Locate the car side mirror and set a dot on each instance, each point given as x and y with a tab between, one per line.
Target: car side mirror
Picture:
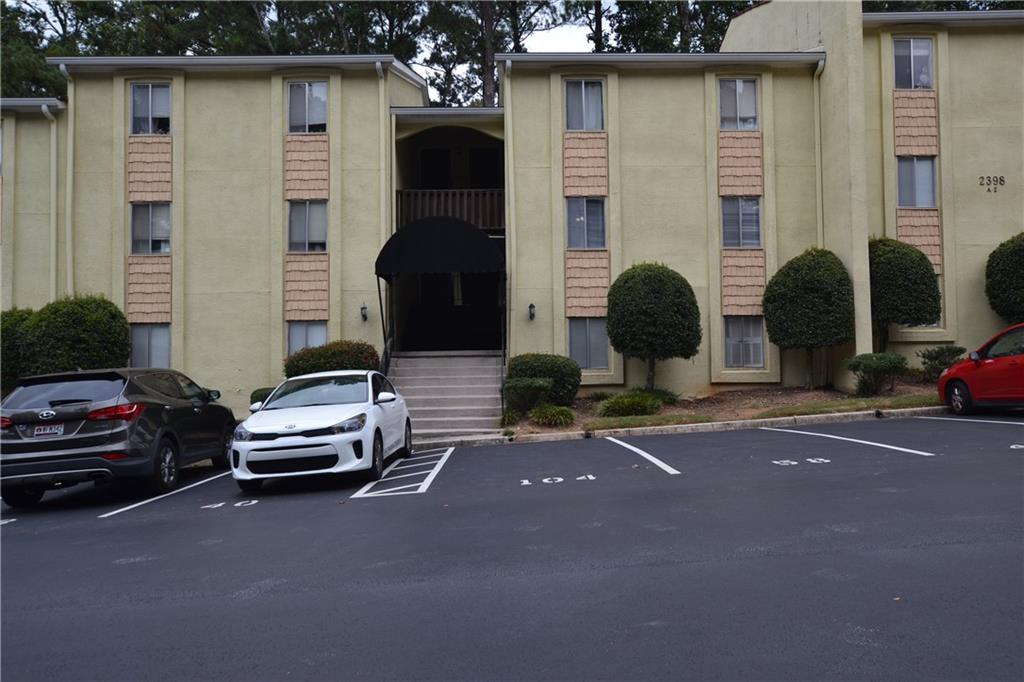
974	356
385	397
255	407
213	394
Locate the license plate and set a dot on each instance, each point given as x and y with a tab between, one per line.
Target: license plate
49	430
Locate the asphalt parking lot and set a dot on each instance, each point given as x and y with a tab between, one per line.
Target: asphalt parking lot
884	549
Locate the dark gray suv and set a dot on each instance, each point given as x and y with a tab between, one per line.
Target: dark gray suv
61	429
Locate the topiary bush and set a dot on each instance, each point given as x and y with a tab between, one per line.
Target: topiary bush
1004	281
653	315
565	374
522	394
552	415
77	332
13	358
875	370
934	360
629	404
904	289
808	303
330	357
260	394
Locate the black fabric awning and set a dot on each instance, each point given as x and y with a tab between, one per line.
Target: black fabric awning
439	244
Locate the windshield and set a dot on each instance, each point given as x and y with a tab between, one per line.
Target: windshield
319	391
63	392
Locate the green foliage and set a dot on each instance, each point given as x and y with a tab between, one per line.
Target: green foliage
79	332
664	396
260	394
808	303
934	360
904	289
330	357
522	394
565	374
511	417
1004	279
598	396
13	356
629	404
552	415
874	370
673	26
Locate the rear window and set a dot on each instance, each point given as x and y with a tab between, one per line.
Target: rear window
63	392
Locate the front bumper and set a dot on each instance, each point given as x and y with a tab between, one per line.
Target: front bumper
301	456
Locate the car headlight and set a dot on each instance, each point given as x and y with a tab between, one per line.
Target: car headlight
241	433
349	425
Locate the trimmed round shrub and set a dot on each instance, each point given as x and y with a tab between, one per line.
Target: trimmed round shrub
78	332
522	394
653	315
1004	279
260	394
934	360
904	289
331	357
629	404
13	358
552	415
808	303
565	374
875	370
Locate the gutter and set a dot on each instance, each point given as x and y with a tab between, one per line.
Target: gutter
658	60
45	109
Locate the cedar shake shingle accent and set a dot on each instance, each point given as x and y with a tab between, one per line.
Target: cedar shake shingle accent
585	164
306	283
149	289
739	163
742	281
306	167
916	122
587	278
921	228
149	168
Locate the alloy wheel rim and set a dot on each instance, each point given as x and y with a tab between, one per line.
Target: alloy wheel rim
958	398
408	439
167	474
378	455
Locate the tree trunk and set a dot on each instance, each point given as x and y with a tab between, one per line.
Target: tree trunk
810	368
488	76
683	16
599	26
650	374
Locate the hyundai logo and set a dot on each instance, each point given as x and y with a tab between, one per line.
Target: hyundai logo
47	414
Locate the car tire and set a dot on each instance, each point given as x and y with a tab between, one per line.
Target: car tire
376	471
22	497
223	461
165	468
958	397
252	485
407	443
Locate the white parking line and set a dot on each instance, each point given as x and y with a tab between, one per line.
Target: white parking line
421	487
160	497
657	462
852	440
4	522
431	455
421	464
978	421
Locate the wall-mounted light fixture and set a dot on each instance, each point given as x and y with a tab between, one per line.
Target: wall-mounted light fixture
533	311
362	312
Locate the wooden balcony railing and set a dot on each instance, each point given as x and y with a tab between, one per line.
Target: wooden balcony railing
484	208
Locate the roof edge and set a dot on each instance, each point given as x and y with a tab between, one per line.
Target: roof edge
660	59
30	105
995	17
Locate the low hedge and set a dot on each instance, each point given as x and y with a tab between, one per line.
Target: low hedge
552	415
875	370
565	374
330	357
663	395
522	394
629	404
78	332
13	356
934	360
511	418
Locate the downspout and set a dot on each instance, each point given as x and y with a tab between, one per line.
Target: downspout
384	120
69	187
510	211
53	200
817	152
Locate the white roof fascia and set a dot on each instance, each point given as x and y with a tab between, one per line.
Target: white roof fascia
30	105
966	19
671	60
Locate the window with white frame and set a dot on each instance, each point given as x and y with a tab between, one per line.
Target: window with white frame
151	108
737	101
306	334
588	342
307	226
744	341
307	107
741	222
151	345
151	228
913	57
584	105
916	178
585	222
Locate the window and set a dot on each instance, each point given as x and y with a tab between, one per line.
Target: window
306	335
307	107
916	177
307	226
189	389
913	63
741	222
588	342
737	99
151	345
585	218
163	383
744	341
584	105
1009	344
151	109
151	228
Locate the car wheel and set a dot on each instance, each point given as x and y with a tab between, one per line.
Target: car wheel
377	465
407	443
165	468
22	497
223	461
252	485
958	396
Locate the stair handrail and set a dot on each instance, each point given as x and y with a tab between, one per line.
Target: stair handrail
385	358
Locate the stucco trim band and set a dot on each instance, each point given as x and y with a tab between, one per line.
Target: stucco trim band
306	286
585	164
149	168
922	228
743	281
149	289
307	166
739	163
916	122
587	278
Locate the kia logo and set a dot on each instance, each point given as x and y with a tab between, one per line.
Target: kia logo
289	426
47	414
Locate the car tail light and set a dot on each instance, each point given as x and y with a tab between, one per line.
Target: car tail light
5	423
126	412
114	455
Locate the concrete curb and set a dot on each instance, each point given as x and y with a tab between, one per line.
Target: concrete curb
704	427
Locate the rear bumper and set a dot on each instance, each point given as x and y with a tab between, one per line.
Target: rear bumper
69	470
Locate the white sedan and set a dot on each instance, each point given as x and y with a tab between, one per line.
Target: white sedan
325	423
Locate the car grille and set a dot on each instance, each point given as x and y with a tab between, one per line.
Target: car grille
292	465
312	433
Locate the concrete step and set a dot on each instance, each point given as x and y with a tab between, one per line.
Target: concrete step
403	363
454	401
466	391
399	373
422	435
452	424
491	383
453	413
447	354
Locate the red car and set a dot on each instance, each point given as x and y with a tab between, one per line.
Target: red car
993	375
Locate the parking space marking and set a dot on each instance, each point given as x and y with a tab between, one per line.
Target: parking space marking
160	497
977	421
421	487
4	522
654	460
852	440
434	453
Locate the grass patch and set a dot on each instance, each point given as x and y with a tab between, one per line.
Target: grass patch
601	423
853	405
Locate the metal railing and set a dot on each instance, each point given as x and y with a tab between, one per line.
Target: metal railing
484	208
